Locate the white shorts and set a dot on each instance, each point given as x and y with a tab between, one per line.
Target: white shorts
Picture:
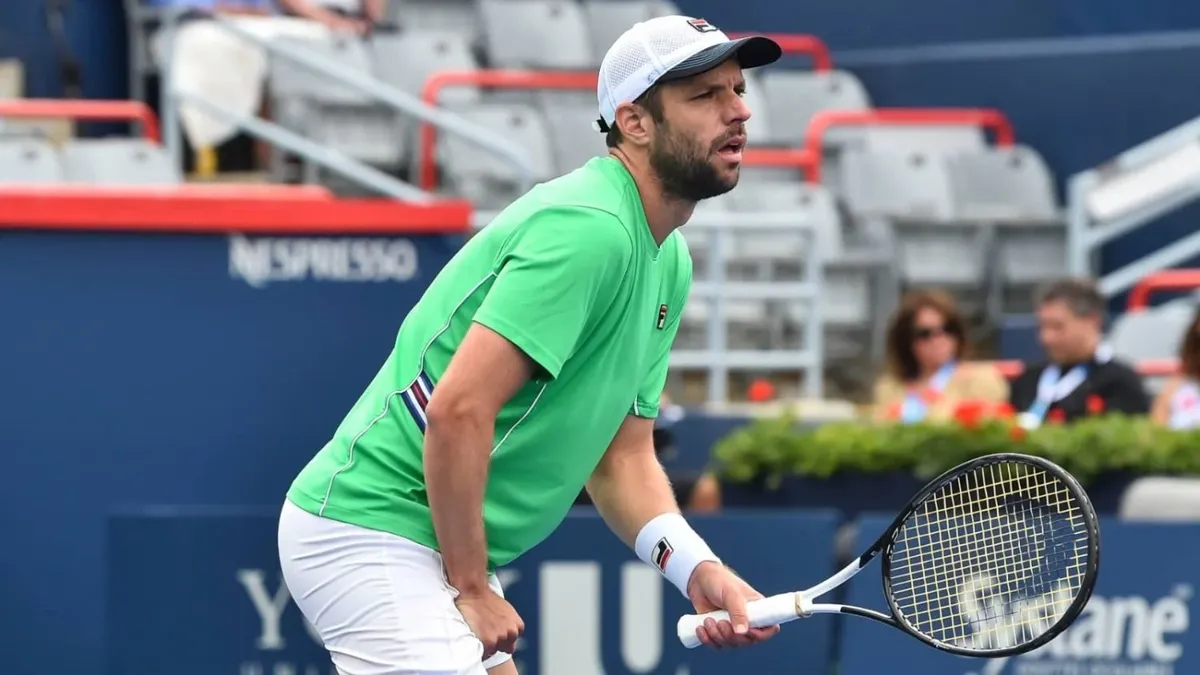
380	603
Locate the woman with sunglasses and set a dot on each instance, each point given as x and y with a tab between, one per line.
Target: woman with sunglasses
926	376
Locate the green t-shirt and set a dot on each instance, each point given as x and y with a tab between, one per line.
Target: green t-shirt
571	274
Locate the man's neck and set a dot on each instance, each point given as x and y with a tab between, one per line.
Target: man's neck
1086	353
664	213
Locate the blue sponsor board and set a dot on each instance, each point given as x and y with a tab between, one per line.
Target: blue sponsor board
151	368
1136	623
198	592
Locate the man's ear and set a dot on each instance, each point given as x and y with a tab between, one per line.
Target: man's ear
635	123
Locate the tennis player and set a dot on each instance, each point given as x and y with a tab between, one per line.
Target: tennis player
532	367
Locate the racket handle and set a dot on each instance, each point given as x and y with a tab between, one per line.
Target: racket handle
770	611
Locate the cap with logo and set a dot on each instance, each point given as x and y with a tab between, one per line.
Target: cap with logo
669	48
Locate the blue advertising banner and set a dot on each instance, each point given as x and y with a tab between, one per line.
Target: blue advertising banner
1136	623
198	592
155	368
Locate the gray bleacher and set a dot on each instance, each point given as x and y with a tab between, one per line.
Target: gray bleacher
898	207
108	161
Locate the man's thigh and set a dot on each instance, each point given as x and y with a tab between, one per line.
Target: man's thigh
380	603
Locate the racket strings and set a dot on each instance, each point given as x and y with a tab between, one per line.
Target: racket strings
992	559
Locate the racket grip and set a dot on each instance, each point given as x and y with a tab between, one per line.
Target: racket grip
770	611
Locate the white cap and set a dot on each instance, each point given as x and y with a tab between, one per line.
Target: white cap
670	48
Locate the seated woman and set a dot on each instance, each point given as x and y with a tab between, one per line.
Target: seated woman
926	374
1178	403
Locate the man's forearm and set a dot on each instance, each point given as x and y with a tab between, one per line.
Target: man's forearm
629	492
457	452
635	498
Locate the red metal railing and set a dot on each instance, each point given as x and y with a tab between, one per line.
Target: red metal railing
94	111
808	45
1167	280
498	79
823	121
538	79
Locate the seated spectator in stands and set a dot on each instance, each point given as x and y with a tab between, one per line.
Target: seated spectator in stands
1178	403
1081	377
926	375
357	17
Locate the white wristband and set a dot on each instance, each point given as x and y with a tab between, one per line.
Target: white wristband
669	544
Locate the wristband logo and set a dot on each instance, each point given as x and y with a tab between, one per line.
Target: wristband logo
661	554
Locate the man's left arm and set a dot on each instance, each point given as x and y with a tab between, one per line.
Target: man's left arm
631	491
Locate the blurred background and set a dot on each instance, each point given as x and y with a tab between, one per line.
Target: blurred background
215	215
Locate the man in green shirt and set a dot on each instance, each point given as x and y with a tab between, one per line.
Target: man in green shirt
532	367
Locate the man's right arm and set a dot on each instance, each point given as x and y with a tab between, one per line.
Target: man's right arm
561	268
486	371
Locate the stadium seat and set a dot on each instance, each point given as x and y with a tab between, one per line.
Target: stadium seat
290	80
1162	499
1002	185
373	134
536	34
812	204
901	185
478	174
936	140
1025	256
28	160
1152	334
341	117
794	96
118	161
406	60
607	20
569	120
759	128
419	16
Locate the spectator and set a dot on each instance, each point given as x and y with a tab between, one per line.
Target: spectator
1081	377
1178	404
355	17
926	375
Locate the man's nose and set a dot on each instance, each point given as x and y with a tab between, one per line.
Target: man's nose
739	111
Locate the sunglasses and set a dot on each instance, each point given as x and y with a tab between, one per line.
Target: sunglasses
929	332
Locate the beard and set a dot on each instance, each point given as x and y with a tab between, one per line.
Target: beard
683	166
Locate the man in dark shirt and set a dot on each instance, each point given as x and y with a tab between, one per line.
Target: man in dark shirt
1082	377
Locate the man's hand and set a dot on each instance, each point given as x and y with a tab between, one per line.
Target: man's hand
493	620
713	587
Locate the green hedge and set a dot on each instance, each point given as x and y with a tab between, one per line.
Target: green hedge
771	449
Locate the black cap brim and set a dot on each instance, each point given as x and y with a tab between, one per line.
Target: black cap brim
751	52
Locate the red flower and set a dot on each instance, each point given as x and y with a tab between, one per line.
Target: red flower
1095	404
1005	411
1018	433
970	413
1057	416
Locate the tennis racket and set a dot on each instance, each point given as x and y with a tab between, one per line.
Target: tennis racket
993	558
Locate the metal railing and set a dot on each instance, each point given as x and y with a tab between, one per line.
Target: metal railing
717	291
823	121
97	111
1138	186
352	169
